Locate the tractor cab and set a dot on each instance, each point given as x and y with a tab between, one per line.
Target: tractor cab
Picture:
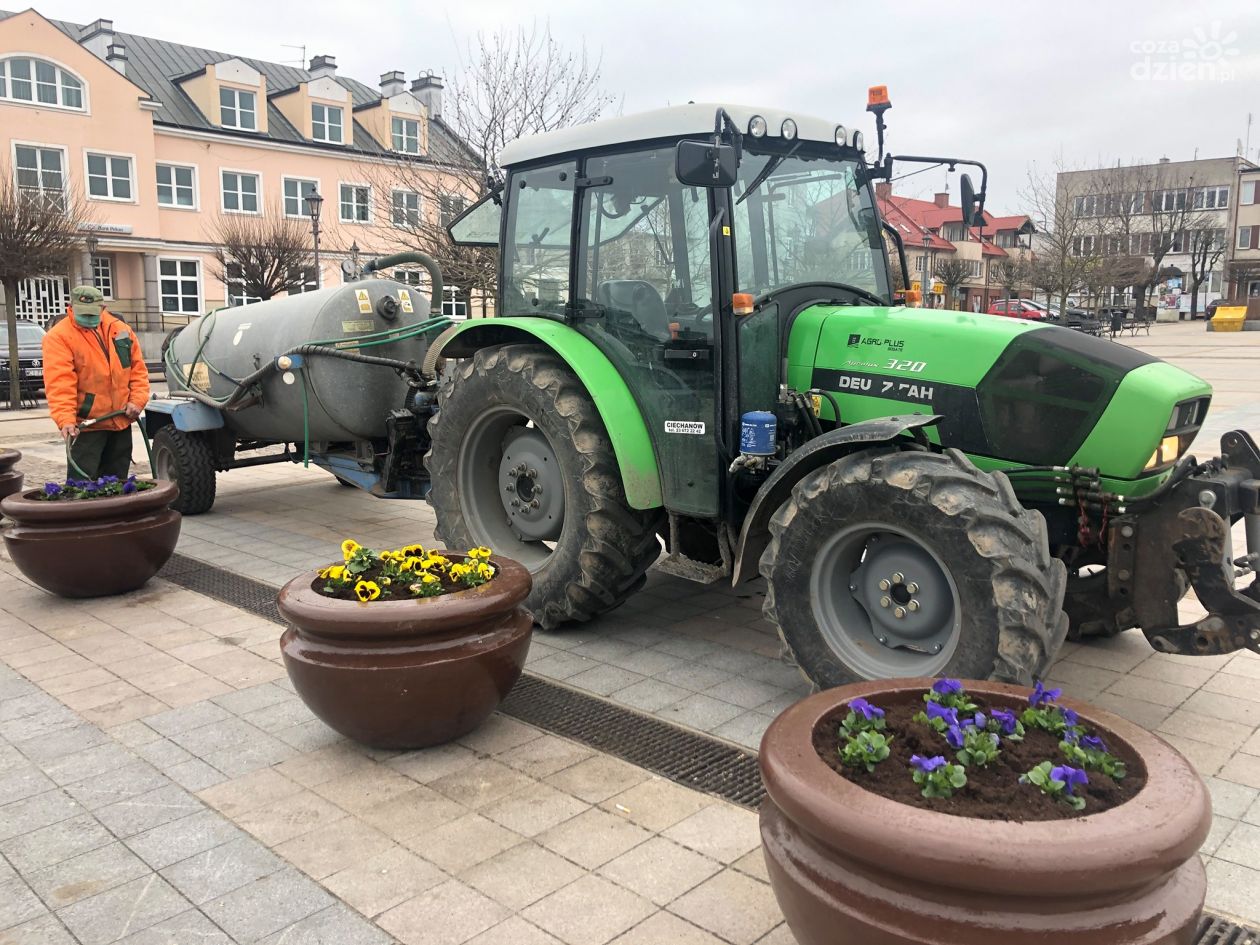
620	230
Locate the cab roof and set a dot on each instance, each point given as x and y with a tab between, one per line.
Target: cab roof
675	122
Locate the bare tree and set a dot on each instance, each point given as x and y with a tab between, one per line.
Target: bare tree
953	273
1068	237
262	255
41	230
1009	273
513	82
1207	246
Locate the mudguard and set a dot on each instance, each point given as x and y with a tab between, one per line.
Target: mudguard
815	454
640	474
188	415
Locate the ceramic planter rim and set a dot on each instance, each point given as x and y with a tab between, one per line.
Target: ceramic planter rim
1074	856
316	613
23	507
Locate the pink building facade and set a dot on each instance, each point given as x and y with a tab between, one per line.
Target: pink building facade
163	138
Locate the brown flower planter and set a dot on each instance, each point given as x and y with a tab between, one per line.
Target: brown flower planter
10	478
407	673
92	547
852	868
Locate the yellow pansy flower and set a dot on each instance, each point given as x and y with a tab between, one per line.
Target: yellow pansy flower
412	551
348	548
430	579
480	553
335	572
367	590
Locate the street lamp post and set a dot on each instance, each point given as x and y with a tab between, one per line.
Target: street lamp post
314	205
927	269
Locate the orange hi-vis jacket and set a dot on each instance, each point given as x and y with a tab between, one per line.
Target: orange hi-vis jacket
91	372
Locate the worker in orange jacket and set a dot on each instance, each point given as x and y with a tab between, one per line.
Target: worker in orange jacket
92	367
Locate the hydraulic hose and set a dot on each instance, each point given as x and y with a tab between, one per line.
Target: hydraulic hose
412	256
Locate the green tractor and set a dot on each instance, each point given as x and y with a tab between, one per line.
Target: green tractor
698	352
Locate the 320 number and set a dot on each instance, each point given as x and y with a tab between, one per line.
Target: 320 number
914	367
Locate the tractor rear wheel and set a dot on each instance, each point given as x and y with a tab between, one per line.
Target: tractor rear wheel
187	460
521	462
891	563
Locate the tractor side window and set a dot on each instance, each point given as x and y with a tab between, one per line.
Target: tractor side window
539	240
645	249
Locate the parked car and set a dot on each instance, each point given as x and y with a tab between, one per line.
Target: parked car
1077	318
1021	308
30	357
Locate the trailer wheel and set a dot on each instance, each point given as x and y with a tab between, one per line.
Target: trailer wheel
888	563
187	460
521	462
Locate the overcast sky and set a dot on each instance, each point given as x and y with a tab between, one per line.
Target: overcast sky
1006	83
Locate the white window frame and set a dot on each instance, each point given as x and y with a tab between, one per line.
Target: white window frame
201	284
196	185
236	108
328	125
395	136
1249	191
34	102
39	146
302	214
393	208
1244	238
356	184
241	299
109	177
102	272
223	190
314	286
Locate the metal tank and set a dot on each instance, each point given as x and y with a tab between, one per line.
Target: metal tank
347	400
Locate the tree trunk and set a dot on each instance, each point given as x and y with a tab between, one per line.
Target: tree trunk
1194	299
15	370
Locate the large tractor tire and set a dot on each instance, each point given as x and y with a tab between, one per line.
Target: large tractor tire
521	462
890	563
187	460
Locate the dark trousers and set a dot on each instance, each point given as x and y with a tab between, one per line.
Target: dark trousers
102	453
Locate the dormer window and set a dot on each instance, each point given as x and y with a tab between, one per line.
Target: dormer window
406	135
238	109
326	123
23	79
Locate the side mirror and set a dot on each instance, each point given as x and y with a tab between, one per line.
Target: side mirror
972	213
705	164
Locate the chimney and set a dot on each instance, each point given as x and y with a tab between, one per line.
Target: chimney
428	88
883	189
1164	160
392	83
97	37
323	67
116	56
941	200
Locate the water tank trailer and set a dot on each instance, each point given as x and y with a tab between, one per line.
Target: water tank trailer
337	377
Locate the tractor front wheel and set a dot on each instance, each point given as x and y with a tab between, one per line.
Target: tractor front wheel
890	563
521	462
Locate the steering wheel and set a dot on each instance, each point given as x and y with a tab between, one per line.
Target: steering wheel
861	293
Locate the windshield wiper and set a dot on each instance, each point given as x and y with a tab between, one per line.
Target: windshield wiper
772	165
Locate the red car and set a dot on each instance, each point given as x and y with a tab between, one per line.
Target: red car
1018	308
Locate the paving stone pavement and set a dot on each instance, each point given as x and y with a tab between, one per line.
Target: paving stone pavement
158	777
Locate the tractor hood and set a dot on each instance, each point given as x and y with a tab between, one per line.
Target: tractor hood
1008	390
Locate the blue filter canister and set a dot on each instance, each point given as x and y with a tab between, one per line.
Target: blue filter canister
756	433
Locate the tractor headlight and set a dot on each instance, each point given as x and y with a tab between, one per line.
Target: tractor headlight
842	135
788	129
859	143
1168	451
757	126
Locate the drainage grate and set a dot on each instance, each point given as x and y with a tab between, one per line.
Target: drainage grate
679	754
1217	931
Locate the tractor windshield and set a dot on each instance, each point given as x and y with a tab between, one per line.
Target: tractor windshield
803	218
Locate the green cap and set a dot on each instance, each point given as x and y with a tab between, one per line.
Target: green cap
86	302
86	293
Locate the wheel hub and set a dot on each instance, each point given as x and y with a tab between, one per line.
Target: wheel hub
906	595
530	485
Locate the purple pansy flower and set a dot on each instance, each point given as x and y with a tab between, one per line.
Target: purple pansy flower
937	711
927	765
947	687
129	486
976	721
1006	718
954	735
1072	778
1043	696
51	489
1094	743
865	709
1070	717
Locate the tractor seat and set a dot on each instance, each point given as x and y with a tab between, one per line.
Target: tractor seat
640	300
